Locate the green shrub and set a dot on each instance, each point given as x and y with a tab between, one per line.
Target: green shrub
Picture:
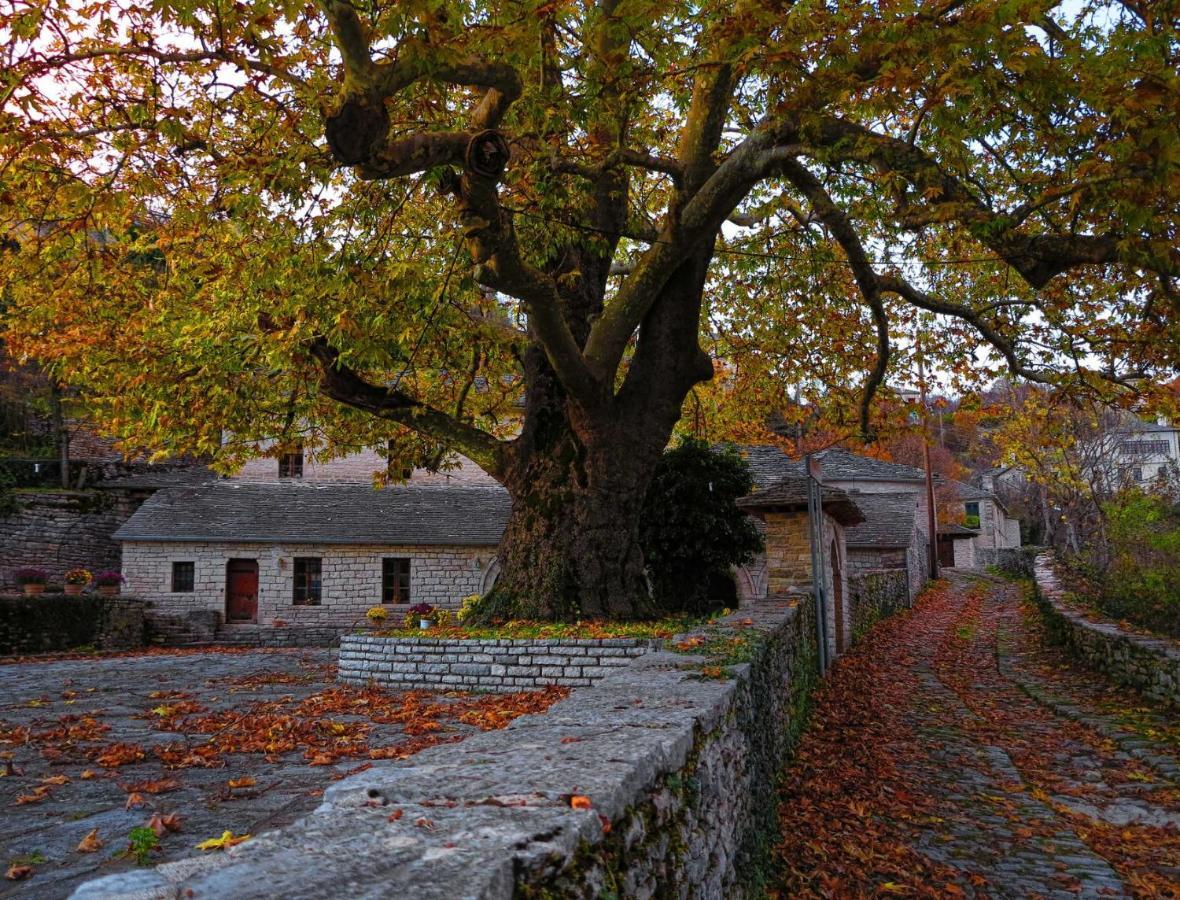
691	531
1142	581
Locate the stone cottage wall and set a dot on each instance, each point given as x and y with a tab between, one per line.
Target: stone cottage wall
1150	665
965	553
440	576
679	772
502	666
59	530
788	563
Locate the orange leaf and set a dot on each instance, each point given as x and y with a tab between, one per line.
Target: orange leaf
246	782
161	825
91	843
18	873
56	779
577	801
134	799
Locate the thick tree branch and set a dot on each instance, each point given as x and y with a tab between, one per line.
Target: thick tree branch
491	241
1038	258
843	230
344	385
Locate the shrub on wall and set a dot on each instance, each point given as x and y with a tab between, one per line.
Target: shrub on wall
1142	581
692	532
53	622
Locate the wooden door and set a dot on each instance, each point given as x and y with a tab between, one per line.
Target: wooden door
946	552
241	590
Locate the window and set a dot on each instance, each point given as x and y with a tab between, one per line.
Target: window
1137	473
183	577
291	464
972	514
395	580
308	589
1144	448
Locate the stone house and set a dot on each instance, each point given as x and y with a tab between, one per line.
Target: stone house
889	538
878	543
252	553
781	508
982	513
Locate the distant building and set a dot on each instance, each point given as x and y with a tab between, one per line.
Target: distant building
1146	451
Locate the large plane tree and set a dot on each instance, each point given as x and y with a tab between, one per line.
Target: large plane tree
525	231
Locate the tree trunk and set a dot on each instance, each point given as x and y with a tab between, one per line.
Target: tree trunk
571	549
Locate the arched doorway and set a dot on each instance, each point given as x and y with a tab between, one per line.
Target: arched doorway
838	598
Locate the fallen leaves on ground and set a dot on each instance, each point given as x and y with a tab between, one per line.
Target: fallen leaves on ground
162	824
91	843
228	839
18	873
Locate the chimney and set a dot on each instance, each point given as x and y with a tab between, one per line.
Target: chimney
987	482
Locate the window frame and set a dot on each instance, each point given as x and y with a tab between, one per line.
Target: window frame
390	566
178	585
307	587
291	463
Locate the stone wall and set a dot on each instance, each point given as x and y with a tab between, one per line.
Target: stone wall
875	595
45	623
1150	665
58	530
491	665
1014	561
788	566
679	769
441	576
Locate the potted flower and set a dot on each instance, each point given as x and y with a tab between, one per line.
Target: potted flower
108	582
376	616
424	612
32	579
76	579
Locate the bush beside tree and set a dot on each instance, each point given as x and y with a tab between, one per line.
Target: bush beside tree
691	531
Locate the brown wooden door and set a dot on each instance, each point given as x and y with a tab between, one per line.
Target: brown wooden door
241	590
946	552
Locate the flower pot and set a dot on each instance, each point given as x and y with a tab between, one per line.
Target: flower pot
73	589
423	624
109	590
34	588
375	624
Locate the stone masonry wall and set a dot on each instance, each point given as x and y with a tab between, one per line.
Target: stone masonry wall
491	665
681	767
45	623
1150	665
1015	561
877	594
788	564
441	576
58	530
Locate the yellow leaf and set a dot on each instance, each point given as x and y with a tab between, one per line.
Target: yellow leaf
246	782
224	842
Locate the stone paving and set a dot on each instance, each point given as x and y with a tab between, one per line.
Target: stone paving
1021	793
72	732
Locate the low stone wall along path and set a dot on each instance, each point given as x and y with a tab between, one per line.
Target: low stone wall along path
954	752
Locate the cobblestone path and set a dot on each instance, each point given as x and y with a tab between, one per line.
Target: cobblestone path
953	753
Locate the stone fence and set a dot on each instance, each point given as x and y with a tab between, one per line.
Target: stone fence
452	664
1151	665
45	623
657	781
876	594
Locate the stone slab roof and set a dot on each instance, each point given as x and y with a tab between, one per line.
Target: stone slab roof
235	512
791	494
769	464
888	524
